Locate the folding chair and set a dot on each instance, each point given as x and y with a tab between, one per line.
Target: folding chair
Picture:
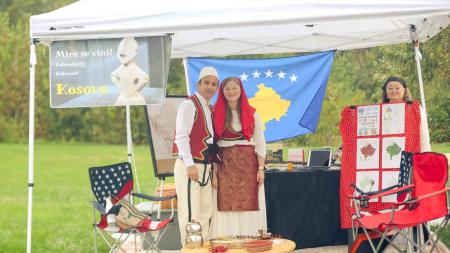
115	183
360	238
428	202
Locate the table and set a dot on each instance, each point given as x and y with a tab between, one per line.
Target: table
285	246
303	206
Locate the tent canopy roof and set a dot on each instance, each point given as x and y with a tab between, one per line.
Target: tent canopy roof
236	27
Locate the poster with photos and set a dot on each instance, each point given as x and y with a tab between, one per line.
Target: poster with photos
393	118
391	152
388	179
368	181
368	120
367	153
372	162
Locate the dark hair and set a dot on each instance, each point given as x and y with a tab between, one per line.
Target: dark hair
406	97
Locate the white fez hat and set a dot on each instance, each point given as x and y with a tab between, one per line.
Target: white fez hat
208	71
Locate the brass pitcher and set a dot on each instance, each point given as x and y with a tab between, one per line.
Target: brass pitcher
194	237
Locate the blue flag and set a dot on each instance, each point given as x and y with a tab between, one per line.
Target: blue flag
287	92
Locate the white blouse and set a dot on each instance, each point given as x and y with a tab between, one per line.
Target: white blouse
424	134
258	140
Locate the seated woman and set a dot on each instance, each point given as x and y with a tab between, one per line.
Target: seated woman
394	91
238	194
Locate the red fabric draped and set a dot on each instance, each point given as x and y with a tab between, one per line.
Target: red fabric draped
247	113
349	166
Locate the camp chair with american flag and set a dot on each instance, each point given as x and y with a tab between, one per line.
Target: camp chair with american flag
112	187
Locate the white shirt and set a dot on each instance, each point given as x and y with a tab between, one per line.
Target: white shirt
185	121
258	140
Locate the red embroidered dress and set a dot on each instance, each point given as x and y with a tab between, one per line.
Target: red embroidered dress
238	188
230	135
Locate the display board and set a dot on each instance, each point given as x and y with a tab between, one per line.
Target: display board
374	137
109	72
161	131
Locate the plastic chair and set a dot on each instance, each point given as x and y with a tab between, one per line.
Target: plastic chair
428	202
112	185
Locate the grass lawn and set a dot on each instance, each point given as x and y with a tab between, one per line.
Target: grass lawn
62	214
441	147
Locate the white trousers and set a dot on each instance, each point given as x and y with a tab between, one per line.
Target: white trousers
201	199
231	223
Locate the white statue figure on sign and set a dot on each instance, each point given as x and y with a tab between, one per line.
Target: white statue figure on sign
128	76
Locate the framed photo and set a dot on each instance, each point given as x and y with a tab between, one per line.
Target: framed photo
161	132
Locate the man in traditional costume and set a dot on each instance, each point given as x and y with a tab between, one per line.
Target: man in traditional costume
194	133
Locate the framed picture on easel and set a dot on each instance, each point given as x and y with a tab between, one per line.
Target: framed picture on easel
161	130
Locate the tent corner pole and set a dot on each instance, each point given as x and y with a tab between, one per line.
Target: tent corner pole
130	147
186	75
33	62
129	141
418	58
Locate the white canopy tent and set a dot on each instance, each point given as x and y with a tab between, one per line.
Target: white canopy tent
236	27
220	28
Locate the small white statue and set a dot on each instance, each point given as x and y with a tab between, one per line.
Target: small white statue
128	76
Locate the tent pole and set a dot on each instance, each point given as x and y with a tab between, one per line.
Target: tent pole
130	146
188	89
418	57
33	62
129	142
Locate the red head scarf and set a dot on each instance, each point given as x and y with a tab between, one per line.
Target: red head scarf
247	112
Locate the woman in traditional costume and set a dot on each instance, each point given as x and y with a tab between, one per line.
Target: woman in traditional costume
238	181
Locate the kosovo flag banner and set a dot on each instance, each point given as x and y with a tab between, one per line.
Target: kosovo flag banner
287	92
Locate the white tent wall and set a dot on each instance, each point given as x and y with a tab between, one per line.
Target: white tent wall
236	27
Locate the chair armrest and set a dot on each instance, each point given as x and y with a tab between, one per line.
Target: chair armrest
425	196
99	207
385	192
406	188
360	191
152	198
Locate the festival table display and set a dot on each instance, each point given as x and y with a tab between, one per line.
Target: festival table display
233	242
276	245
374	137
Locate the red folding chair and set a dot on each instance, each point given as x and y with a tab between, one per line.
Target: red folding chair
428	202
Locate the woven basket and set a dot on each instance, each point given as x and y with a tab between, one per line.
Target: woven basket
169	190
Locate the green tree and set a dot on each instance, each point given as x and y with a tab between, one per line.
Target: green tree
356	78
358	75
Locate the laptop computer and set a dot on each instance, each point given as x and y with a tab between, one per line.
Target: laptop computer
319	159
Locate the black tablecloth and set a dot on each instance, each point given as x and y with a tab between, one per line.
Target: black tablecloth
303	206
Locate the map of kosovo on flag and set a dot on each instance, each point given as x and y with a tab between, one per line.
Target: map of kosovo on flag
287	92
